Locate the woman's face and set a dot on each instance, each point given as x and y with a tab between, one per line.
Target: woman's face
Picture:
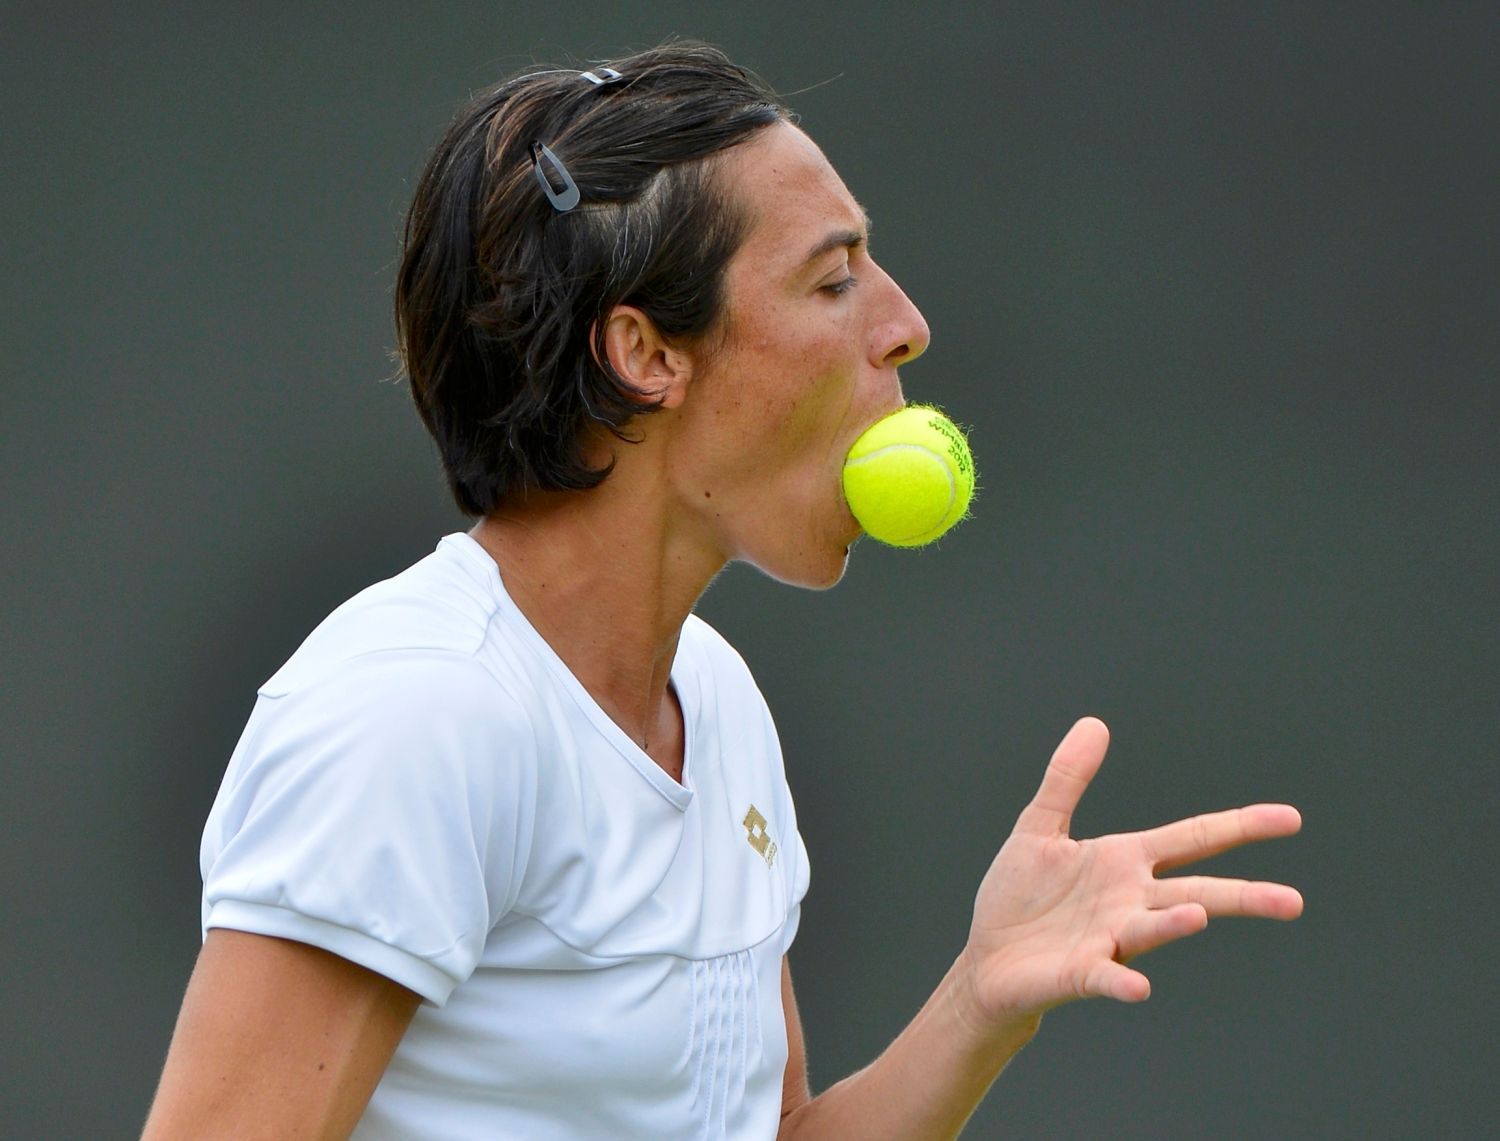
813	335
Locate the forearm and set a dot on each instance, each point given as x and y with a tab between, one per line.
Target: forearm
929	1080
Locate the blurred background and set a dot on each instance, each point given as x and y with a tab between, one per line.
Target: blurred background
1217	288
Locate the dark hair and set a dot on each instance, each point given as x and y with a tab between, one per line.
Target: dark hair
498	291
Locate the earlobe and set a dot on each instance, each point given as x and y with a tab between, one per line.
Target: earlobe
678	368
640	356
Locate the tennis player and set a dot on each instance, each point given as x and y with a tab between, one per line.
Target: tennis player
506	848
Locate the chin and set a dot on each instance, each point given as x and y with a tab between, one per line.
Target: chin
836	569
820	573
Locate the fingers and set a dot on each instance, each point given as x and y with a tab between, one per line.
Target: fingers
1199	837
1074	763
1109	979
1152	929
1255	899
1183	906
1176	919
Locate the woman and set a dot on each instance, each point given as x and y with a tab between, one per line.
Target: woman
506	848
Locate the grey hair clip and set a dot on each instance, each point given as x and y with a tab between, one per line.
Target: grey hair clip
567	196
563	199
602	77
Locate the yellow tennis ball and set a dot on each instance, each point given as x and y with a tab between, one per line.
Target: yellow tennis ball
910	477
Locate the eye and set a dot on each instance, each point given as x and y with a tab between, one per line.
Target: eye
839	288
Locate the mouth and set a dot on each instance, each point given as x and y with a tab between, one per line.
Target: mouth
849	531
851	527
888	409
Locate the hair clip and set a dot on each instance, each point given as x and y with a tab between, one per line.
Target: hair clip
562	200
604	76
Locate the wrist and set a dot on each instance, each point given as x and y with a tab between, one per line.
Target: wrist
987	1027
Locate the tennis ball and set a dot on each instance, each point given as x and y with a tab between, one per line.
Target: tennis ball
910	477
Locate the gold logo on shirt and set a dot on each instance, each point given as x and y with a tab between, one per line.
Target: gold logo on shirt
760	839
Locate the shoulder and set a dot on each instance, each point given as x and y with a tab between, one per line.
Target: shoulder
397	678
711	651
431	615
398	729
724	674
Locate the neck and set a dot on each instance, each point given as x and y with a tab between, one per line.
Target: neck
608	581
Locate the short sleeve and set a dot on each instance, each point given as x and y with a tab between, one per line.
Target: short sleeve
382	812
798	875
792	858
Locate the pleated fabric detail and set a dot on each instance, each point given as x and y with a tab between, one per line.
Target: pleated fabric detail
725	1031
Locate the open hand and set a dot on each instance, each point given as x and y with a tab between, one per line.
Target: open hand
1057	918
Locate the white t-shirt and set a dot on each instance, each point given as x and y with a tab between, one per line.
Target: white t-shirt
425	789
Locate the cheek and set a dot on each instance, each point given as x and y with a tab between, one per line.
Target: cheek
791	382
804	418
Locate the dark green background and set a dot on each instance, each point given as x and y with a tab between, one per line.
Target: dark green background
1217	288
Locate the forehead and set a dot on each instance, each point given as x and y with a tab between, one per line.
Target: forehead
795	199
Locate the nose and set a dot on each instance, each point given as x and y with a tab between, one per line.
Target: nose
901	335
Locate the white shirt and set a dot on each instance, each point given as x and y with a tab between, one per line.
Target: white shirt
425	789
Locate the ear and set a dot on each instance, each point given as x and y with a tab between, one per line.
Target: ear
640	355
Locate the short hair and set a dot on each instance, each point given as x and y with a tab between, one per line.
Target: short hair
501	298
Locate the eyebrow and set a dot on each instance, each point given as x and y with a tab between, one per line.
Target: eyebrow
847	239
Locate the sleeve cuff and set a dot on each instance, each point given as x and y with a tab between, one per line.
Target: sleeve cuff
264	919
789	932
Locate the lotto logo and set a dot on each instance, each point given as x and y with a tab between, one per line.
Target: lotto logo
760	839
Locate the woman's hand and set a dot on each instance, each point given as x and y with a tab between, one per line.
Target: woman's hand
1058	919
